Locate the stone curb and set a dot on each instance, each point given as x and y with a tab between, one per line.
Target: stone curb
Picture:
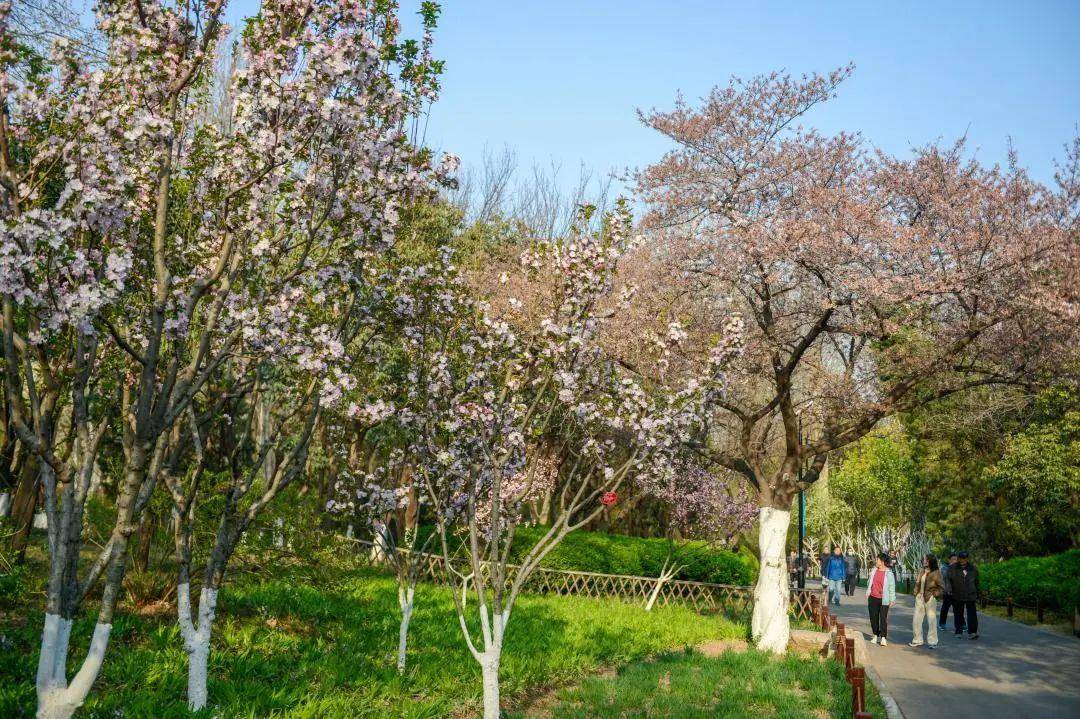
892	709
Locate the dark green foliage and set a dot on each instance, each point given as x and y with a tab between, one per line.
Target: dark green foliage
1054	581
997	471
15	583
618	554
1036	482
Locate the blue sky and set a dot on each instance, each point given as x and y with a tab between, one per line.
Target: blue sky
559	80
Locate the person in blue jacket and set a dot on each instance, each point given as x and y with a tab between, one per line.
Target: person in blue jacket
835	573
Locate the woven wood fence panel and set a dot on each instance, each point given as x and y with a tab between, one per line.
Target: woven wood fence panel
702	597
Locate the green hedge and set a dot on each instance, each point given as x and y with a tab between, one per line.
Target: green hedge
618	554
1053	580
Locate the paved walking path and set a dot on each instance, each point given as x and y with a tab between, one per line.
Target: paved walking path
1012	671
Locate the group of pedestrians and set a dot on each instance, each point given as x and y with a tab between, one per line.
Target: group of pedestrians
955	585
841	576
840	572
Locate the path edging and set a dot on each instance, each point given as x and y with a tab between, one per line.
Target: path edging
892	709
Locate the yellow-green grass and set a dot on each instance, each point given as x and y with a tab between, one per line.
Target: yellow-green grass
690	685
296	647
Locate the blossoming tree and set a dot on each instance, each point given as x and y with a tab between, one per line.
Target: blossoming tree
177	266
377	486
870	284
529	402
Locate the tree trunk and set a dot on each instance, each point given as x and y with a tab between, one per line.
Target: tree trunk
196	639
489	668
406	602
145	539
23	504
769	624
667	572
198	656
56	698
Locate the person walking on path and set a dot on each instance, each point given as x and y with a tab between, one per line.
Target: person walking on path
947	597
835	572
881	591
894	565
851	566
964	583
928	589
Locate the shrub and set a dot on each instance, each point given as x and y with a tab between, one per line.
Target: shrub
618	554
1053	580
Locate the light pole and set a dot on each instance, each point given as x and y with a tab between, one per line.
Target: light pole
802	509
802	533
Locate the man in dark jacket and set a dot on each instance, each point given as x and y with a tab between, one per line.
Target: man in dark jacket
963	583
947	598
851	565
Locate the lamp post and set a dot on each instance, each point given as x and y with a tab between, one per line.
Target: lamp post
802	514
802	534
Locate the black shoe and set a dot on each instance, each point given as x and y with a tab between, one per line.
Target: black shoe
974	636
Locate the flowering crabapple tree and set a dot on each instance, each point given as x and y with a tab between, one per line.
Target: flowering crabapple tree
321	287
528	401
167	258
870	284
701	505
378	498
86	158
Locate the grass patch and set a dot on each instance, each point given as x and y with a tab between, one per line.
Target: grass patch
1054	621
689	685
290	647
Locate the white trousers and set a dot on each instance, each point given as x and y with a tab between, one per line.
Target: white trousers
925	609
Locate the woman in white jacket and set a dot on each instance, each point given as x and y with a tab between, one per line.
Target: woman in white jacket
880	593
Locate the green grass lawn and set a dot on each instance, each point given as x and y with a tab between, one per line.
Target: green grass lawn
293	648
689	685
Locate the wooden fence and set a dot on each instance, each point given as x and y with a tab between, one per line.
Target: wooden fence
702	597
845	654
1040	610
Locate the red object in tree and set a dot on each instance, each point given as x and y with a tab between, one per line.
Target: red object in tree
609	499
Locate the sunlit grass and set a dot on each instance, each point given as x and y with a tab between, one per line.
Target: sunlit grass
287	648
689	685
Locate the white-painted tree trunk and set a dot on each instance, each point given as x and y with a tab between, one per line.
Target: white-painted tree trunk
380	549
196	640
405	599
653	595
198	657
489	668
490	659
57	699
667	572
5	504
769	625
